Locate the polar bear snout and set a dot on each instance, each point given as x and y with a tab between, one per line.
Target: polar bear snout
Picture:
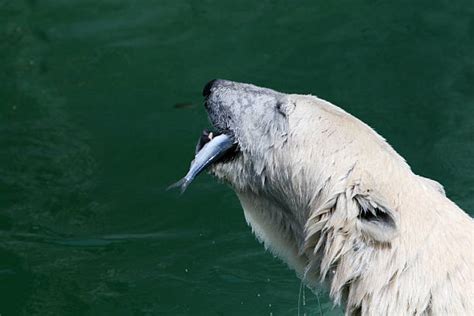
241	108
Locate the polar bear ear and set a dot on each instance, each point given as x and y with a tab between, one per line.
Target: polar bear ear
376	220
285	107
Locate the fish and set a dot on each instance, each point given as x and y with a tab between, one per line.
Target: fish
209	149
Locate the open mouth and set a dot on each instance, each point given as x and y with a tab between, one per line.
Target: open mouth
207	136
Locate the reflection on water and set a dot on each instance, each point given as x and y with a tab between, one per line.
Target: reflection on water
100	110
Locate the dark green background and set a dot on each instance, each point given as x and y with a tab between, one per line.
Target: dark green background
100	108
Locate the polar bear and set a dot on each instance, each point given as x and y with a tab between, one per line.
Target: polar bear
328	195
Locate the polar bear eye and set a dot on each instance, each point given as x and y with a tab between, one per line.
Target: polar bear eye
280	107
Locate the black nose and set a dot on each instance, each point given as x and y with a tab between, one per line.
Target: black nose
207	88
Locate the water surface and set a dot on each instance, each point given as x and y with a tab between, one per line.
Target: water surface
101	108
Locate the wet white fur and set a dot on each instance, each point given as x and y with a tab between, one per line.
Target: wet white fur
304	198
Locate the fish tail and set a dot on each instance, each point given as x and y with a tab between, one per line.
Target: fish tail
182	184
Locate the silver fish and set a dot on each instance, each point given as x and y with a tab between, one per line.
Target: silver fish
209	153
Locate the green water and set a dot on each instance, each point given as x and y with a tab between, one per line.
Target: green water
101	107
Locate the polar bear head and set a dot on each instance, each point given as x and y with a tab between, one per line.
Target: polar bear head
258	119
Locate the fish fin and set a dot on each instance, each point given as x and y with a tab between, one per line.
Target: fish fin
182	184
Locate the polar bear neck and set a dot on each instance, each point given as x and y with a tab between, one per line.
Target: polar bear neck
374	278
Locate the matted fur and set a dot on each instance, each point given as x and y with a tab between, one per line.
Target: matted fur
328	195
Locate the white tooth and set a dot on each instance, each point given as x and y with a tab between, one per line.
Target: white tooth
210	136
